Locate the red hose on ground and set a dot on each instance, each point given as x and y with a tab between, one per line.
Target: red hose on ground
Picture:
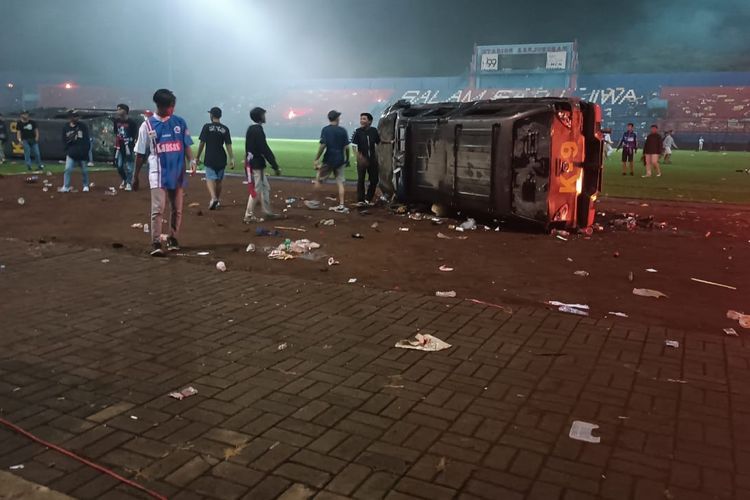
81	459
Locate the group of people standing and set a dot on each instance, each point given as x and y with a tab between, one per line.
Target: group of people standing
654	147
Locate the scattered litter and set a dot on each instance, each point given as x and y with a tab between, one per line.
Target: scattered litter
415	216
445	269
111	191
439	210
352	280
298	229
137	225
333	262
404	229
569	259
331	198
708	234
496	306
250	248
221	266
260	231
282	346
298	247
677	381
582	431
672	343
468	225
312	204
202	254
357	236
645	292
289	201
616	254
274	445
422	342
579	309
561	238
277	254
32	180
327	222
16	467
651	270
194	205
21	201
133	417
697	280
581	273
631	276
440	467
446	295
560	234
744	319
731	332
145	228
462	237
105	261
618	314
185	393
443	236
374	225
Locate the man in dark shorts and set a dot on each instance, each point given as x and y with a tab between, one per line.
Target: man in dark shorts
629	145
334	141
215	138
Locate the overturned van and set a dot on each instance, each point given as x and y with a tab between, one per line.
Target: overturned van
536	160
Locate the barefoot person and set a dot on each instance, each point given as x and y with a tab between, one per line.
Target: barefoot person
257	154
652	151
215	137
629	145
334	141
75	136
169	141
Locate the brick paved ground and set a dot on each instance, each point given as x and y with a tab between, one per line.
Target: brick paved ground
87	346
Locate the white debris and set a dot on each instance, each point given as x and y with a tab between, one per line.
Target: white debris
422	342
582	431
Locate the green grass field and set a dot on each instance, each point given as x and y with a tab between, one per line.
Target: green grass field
693	176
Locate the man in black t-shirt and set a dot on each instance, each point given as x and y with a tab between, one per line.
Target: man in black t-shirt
215	137
75	136
27	133
365	138
257	155
126	132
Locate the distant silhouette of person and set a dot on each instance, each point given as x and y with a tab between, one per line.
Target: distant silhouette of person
700	143
629	145
669	144
652	151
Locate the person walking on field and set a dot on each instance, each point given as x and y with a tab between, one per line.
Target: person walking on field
168	139
364	139
629	145
334	141
652	151
257	154
215	137
669	144
27	133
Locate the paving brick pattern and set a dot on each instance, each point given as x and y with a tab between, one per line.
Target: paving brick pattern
90	350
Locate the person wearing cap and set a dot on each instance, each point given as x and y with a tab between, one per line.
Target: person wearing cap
126	131
75	136
257	154
334	141
168	139
27	133
215	138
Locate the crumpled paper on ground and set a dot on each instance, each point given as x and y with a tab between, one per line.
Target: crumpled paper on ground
422	342
744	319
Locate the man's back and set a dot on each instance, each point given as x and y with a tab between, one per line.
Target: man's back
215	135
335	138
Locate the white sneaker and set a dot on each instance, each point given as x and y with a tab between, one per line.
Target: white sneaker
64	189
128	187
122	185
85	189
